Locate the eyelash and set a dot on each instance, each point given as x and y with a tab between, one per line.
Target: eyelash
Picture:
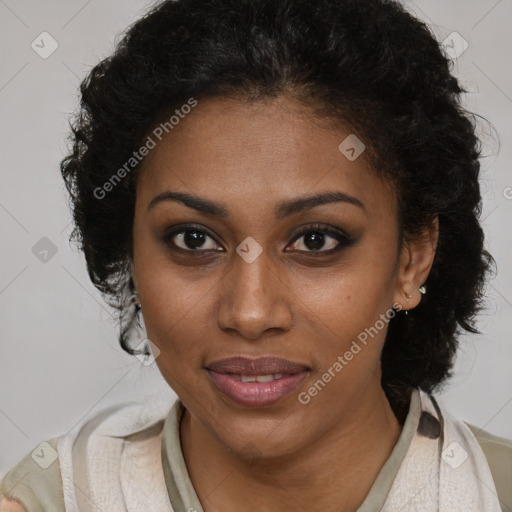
343	239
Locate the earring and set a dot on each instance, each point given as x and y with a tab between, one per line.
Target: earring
408	296
422	289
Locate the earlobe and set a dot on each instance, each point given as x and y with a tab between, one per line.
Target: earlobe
416	261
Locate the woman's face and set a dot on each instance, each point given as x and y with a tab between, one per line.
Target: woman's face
304	284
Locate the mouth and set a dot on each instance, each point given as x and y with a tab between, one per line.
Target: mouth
262	366
258	378
253	391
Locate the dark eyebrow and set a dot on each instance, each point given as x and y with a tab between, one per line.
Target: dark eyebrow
306	202
282	210
197	203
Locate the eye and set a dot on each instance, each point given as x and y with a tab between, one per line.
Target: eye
191	239
317	239
321	239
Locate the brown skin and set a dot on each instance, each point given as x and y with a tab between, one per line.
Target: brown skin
287	303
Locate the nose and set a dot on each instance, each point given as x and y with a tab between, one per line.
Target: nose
254	299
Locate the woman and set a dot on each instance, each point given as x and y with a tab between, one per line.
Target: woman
286	193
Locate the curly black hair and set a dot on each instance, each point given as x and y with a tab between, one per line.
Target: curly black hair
368	64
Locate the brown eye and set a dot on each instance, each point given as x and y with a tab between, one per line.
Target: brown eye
322	240
190	239
315	240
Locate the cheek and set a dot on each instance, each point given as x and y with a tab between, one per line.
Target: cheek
347	295
175	310
342	308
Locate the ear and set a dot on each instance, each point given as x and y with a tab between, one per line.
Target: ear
416	259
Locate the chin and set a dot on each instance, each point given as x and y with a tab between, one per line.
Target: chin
260	441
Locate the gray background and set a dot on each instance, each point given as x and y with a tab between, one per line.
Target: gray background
59	356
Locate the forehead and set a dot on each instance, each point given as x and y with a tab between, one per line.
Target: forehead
258	153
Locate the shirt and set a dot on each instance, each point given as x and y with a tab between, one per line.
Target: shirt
40	489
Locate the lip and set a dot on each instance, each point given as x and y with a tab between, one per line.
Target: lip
256	394
260	366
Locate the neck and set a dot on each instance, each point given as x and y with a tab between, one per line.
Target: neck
333	473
